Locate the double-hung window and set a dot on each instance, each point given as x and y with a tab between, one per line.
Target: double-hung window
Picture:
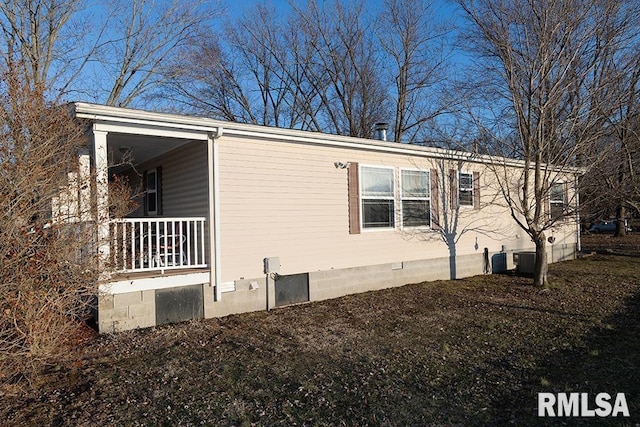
556	200
465	189
377	195
415	197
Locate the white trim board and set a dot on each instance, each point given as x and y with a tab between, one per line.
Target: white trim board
153	283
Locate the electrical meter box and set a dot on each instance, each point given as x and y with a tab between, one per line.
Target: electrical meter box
272	265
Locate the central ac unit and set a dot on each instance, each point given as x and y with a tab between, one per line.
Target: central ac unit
524	261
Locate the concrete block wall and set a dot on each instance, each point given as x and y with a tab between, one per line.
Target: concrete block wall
336	283
561	252
250	295
131	310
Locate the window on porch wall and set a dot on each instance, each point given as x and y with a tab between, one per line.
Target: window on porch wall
153	192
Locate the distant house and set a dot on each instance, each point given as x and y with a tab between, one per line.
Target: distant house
236	218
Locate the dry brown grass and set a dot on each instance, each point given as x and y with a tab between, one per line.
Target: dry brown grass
468	352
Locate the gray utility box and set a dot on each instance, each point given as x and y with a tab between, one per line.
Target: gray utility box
524	261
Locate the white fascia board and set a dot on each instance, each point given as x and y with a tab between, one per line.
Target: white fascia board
147	129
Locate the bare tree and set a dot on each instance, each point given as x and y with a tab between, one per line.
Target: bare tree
414	41
47	274
46	42
259	42
145	38
115	55
346	73
545	60
614	187
250	73
316	69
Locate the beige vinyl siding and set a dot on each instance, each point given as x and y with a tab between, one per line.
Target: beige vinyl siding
289	200
184	181
184	175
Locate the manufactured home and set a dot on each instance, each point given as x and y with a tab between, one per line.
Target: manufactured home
235	218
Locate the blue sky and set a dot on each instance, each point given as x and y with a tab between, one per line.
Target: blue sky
235	8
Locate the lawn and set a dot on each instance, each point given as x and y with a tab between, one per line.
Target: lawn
468	352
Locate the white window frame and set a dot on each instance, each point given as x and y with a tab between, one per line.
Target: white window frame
152	193
426	198
469	189
561	201
364	198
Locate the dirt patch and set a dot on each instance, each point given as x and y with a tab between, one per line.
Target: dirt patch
474	351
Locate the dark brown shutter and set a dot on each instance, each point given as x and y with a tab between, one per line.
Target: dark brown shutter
453	189
476	190
435	214
353	185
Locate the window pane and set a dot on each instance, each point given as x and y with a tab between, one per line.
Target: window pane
377	182
466	197
557	192
415	184
557	210
151	180
466	181
465	189
151	202
415	213
377	213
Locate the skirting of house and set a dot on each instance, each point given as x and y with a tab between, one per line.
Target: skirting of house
142	303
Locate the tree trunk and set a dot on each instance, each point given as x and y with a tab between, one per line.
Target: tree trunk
621	213
541	267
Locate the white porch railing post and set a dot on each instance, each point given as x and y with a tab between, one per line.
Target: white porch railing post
84	176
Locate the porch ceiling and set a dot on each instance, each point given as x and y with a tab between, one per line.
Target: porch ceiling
141	148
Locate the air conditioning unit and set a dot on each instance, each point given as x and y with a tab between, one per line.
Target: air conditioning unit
524	261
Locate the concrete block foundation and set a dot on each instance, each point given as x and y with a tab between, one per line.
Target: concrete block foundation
130	310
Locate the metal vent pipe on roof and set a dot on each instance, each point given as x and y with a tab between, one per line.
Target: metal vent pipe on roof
381	130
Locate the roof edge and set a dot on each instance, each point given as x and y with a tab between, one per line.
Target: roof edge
105	113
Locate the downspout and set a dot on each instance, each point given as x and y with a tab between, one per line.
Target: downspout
214	212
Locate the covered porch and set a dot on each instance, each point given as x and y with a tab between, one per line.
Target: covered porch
172	238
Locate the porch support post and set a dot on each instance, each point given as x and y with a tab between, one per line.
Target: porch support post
214	212
84	177
101	165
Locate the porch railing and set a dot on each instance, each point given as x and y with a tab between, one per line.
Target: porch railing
147	244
